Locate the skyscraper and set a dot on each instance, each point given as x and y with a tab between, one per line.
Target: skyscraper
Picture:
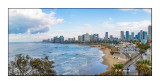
130	37
122	35
132	33
95	36
106	36
145	35
141	34
61	39
86	37
127	35
149	32
136	37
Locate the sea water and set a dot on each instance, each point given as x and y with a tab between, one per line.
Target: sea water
70	59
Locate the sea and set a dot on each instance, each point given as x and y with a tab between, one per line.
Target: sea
70	59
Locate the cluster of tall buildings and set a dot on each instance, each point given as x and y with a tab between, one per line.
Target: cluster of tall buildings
88	38
124	36
55	39
142	35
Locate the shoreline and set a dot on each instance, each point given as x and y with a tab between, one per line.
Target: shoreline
107	58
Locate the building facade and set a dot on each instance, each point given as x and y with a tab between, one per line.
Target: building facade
122	35
149	32
127	35
61	39
144	35
141	34
79	38
86	37
106	36
132	33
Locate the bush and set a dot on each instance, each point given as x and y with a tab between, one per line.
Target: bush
112	52
25	66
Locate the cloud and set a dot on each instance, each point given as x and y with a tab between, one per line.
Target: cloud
132	9
31	21
147	10
134	26
110	27
128	9
114	29
110	18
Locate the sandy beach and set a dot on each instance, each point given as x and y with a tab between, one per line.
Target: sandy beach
107	58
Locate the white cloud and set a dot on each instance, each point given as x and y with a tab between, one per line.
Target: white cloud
128	9
110	18
147	10
112	29
31	21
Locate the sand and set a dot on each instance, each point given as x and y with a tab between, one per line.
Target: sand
107	58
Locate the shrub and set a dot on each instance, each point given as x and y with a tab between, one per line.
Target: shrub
112	52
24	66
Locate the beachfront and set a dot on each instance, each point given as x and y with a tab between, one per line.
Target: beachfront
118	57
108	59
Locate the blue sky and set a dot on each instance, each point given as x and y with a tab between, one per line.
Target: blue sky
29	25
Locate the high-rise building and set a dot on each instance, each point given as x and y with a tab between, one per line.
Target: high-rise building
141	34
127	35
136	37
111	37
149	32
71	39
95	36
86	37
61	39
122	35
132	33
106	36
80	38
130	37
56	40
144	35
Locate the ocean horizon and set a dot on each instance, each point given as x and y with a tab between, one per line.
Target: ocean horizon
70	59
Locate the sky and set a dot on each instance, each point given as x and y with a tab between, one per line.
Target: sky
34	25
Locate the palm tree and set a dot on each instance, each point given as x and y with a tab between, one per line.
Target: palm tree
117	70
143	47
144	67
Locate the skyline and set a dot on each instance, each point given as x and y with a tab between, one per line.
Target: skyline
47	23
129	36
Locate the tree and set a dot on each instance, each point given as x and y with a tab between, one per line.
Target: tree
25	66
117	70
112	52
142	47
144	67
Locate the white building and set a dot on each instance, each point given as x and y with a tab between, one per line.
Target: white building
149	54
122	35
86	37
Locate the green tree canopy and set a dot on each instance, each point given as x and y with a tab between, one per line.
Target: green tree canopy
24	66
117	70
144	67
